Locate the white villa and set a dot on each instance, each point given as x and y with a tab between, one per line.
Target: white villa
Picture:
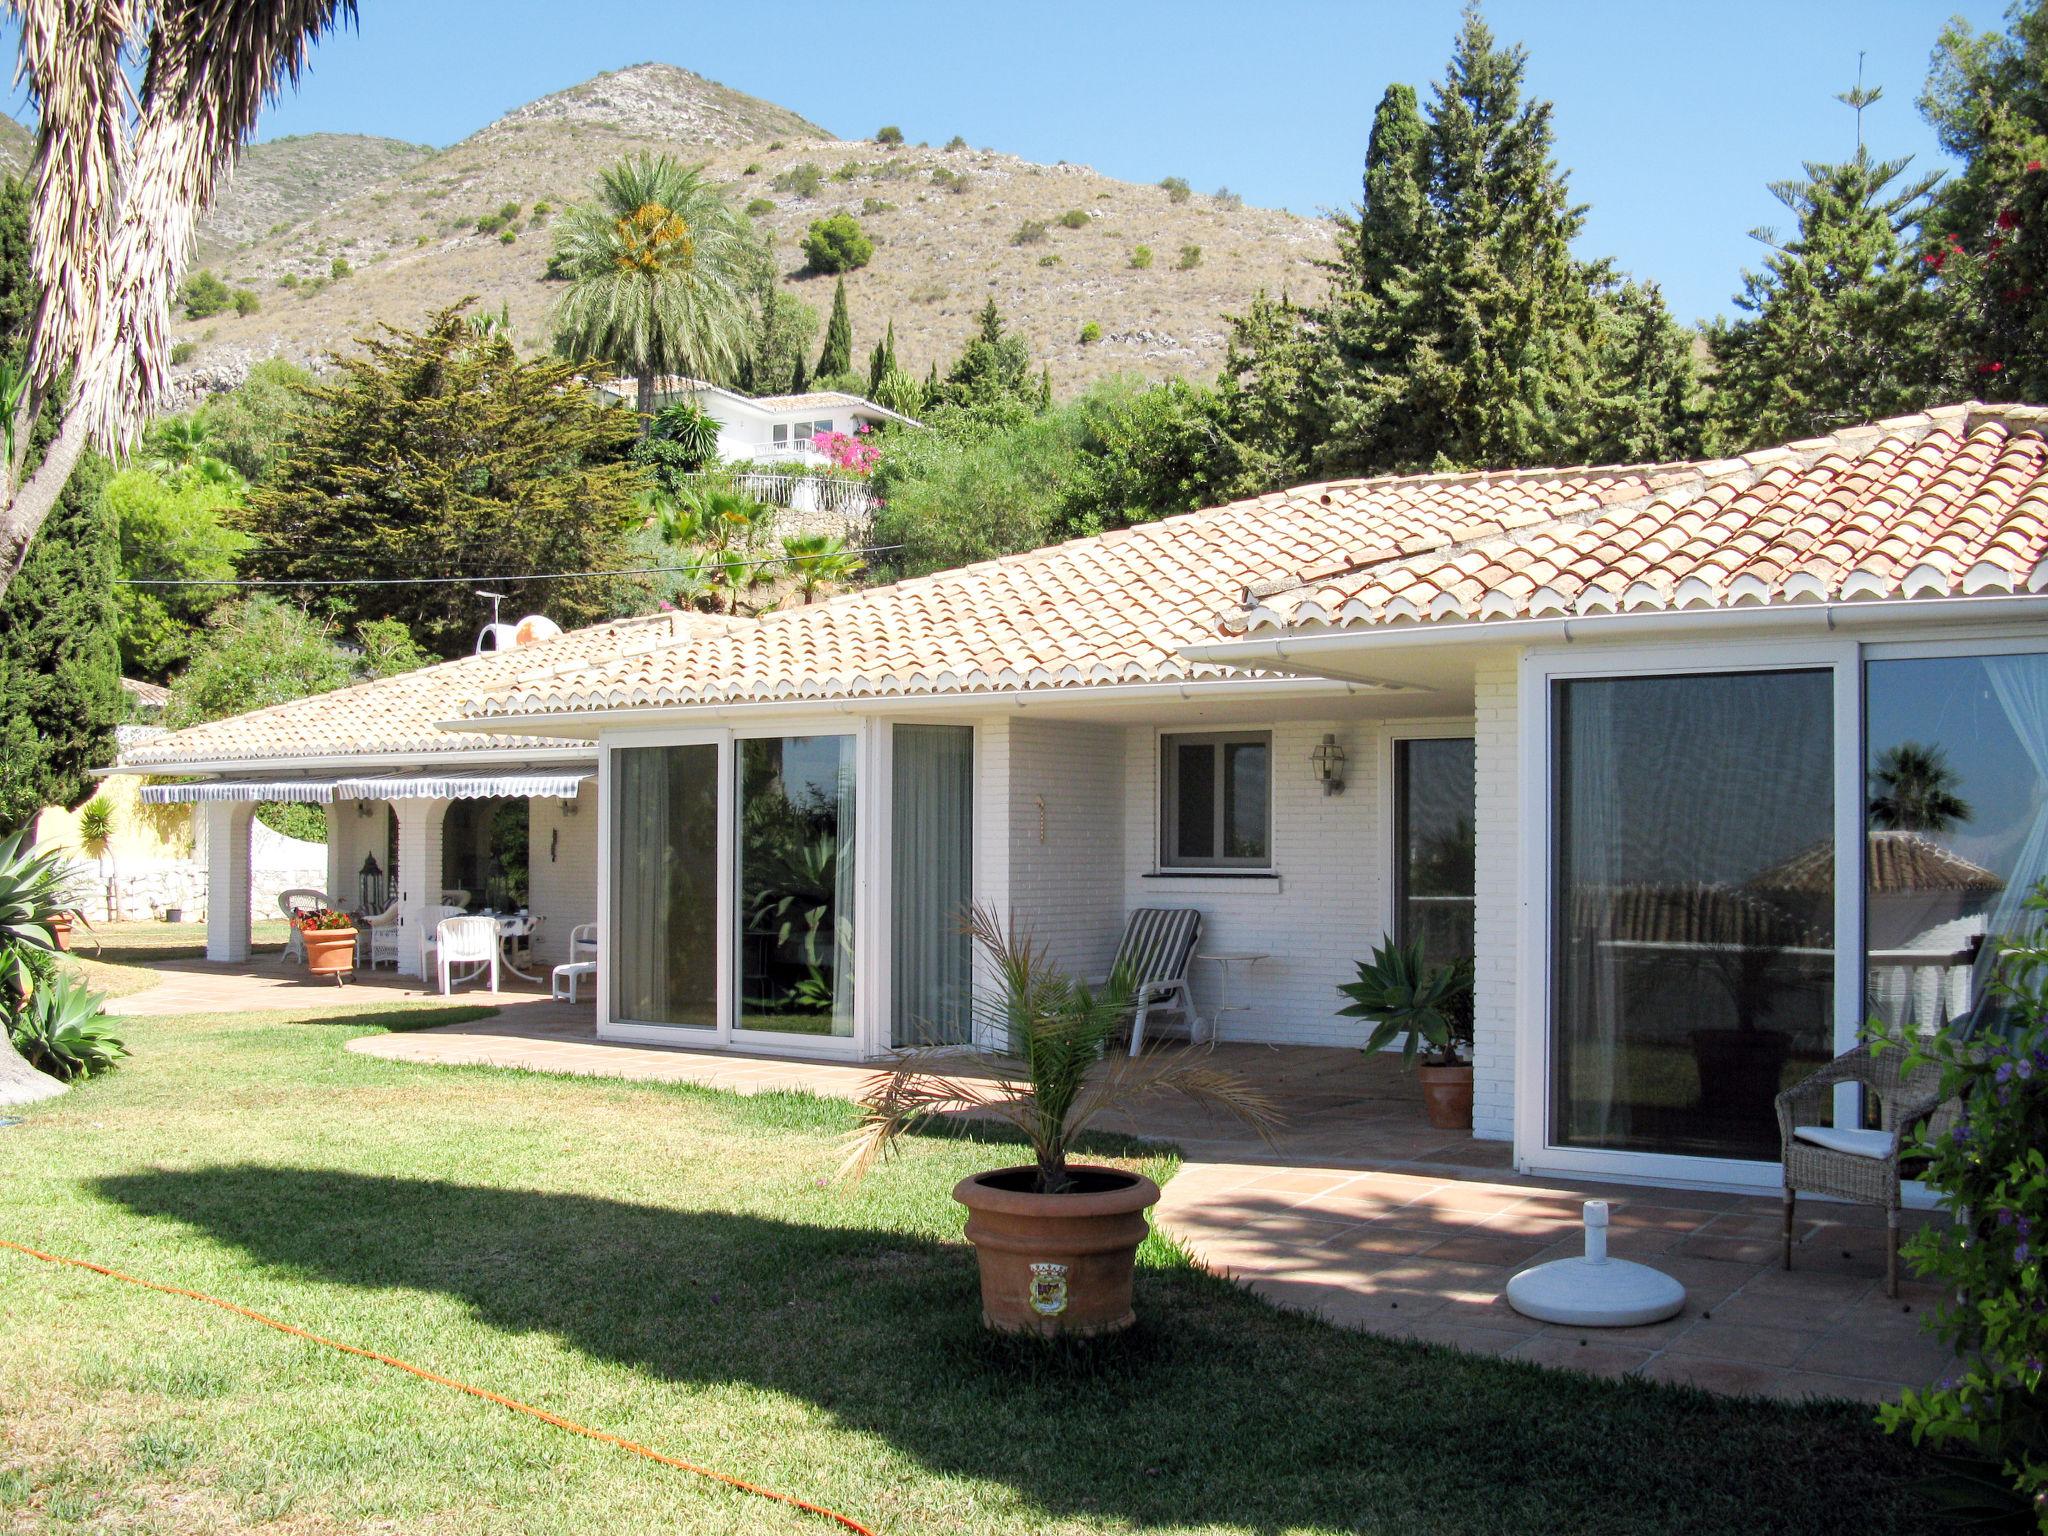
768	429
1631	737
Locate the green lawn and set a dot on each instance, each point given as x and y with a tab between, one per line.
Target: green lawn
676	1266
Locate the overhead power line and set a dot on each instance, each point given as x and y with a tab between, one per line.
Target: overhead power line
429	581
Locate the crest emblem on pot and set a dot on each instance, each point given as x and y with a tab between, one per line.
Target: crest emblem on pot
1048	1289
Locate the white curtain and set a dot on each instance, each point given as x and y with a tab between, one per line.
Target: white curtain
2021	684
843	893
1594	1097
932	881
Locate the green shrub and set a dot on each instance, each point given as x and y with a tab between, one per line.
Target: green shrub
890	135
542	210
339	268
183	352
489	224
204	294
1176	189
507	238
291	279
1030	232
507	212
1991	1170
246	301
896	168
956	142
1074	218
871	206
1048	260
1090	334
1190	258
1223	197
837	244
1141	257
753	168
955	182
800	180
775	146
759	206
850	171
63	1030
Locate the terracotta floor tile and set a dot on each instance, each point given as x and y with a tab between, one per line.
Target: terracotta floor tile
1713	1338
1580	1354
1466	1336
1480	1246
1848	1352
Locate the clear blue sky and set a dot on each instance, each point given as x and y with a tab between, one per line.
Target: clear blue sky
1671	114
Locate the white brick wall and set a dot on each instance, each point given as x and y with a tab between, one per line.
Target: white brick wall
1498	754
1066	824
1323	914
561	872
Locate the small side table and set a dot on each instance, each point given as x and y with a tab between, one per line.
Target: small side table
1226	962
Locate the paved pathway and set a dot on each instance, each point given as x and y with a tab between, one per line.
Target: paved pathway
1357	1212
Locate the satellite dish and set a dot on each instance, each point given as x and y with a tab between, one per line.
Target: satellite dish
497	637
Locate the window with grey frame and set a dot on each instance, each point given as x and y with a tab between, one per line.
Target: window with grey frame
1215	800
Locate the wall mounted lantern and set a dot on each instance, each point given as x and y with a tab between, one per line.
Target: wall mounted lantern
1328	759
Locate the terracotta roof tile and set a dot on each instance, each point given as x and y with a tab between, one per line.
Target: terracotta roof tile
1949	503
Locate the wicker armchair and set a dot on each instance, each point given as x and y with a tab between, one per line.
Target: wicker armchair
1852	1163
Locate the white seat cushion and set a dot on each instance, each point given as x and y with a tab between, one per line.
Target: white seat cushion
1875	1145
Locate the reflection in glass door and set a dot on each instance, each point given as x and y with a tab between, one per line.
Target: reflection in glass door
1957	814
1693	900
794	922
1435	803
664	907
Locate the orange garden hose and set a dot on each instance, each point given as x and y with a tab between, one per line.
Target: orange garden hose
514	1404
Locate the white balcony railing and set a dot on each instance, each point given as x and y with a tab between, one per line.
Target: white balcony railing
829	496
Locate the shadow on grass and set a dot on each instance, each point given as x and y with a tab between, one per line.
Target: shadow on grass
1214	1411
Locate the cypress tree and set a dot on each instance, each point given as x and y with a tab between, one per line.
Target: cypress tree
836	357
882	361
799	381
60	658
1840	326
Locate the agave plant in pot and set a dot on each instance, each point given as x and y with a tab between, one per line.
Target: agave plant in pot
1429	1009
1056	1239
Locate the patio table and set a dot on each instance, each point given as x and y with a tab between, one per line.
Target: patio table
1225	962
512	927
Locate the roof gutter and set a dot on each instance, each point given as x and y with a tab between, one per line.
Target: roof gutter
442	762
1300	652
979	703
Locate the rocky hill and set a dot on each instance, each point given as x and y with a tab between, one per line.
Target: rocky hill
284	182
1056	246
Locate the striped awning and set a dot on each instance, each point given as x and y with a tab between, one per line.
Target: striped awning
404	786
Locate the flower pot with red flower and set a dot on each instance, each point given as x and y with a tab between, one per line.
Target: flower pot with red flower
330	940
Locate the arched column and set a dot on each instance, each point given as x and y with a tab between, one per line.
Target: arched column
225	826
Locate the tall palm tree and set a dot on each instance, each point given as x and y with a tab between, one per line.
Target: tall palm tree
660	267
138	110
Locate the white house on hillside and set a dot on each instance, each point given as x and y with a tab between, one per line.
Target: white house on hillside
769	429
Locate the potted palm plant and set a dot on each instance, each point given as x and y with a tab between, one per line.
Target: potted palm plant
1429	1008
1056	1239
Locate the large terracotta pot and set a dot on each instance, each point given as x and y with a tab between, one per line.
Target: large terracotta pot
1057	1265
330	952
60	931
1447	1096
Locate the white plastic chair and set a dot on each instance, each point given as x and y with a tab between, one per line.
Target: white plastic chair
455	896
430	922
466	941
291	901
583	942
381	932
566	981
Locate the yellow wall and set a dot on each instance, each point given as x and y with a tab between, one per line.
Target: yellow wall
142	833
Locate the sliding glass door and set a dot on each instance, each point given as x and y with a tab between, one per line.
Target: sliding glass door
664	885
931	884
1956	816
1435	884
1692	910
794	809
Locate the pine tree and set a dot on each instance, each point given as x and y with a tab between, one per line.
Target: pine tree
836	357
442	452
993	373
1651	410
882	361
60	659
1840	326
